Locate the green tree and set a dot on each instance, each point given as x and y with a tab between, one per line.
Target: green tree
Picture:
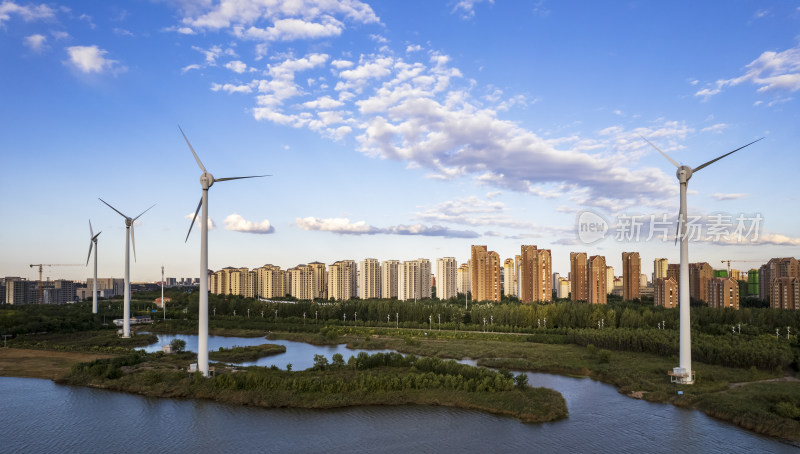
178	345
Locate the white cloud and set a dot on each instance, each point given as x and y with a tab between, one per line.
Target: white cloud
466	8
189	68
733	196
717	128
36	42
771	71
231	88
185	31
237	223
123	32
343	226
211	224
291	20
90	59
493	194
27	13
414	48
236	66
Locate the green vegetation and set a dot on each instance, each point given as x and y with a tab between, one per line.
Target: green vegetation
246	354
379	379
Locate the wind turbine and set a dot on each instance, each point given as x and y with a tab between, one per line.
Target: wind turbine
93	242
129	238
683	372
206	181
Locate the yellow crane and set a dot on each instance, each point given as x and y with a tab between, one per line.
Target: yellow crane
40	265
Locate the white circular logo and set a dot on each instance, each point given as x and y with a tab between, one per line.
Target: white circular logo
591	227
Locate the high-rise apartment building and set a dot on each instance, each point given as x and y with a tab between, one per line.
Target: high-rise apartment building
486	271
579	283
631	269
319	281
535	273
723	293
342	280
563	288
300	277
389	278
369	283
660	267
665	293
446	281
271	282
699	276
674	273
509	277
609	278
463	282
413	280
776	268
596	271
785	293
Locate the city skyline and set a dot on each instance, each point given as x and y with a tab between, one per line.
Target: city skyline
392	131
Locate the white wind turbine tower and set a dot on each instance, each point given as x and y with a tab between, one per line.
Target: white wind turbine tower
683	374
206	181
93	242
129	238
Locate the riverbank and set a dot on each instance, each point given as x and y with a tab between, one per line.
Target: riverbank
767	408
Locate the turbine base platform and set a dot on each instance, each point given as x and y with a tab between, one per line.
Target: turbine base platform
678	375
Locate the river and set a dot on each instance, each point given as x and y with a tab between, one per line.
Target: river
39	416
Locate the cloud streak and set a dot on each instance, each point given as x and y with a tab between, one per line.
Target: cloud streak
344	226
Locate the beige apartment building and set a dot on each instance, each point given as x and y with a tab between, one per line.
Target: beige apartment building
579	283
660	267
271	281
446	280
369	279
665	293
319	281
699	276
300	278
463	282
389	278
631	270
596	270
785	293
342	280
509	277
723	293
536	269
413	280
486	270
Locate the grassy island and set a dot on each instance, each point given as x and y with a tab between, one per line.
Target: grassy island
379	379
245	354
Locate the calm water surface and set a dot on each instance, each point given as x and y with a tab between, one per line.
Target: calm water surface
39	416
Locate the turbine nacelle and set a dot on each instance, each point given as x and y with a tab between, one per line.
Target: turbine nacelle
684	173
206	180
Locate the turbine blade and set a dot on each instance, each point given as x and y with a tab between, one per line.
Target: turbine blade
202	167
133	242
659	150
193	219
726	154
126	217
91	232
239	178
143	212
94	238
90	253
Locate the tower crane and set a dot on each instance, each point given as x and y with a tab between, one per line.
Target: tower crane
741	261
40	265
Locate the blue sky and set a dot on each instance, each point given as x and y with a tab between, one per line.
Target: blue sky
393	130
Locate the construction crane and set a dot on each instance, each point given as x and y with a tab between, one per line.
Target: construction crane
40	265
741	261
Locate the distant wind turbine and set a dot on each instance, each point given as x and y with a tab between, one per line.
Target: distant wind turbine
129	238
93	242
206	181
683	373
